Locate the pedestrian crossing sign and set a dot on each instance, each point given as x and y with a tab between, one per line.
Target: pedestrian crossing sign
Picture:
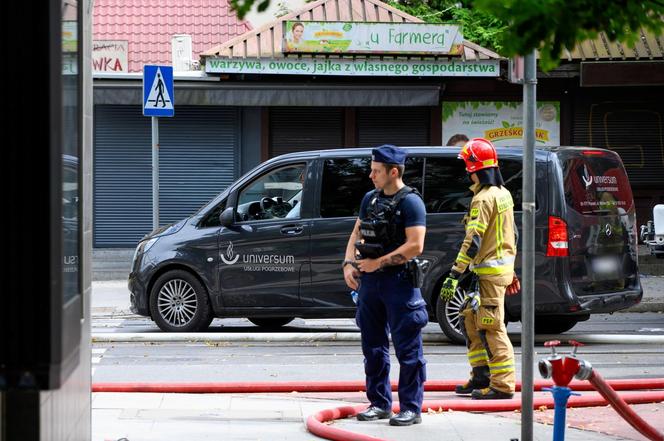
158	91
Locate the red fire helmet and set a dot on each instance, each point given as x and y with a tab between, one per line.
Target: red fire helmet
478	153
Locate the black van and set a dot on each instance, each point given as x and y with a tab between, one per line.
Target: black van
270	246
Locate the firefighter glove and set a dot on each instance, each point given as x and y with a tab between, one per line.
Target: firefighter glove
449	288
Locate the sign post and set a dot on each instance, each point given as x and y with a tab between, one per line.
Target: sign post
157	101
528	246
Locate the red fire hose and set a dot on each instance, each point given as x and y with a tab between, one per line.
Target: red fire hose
623	409
316	423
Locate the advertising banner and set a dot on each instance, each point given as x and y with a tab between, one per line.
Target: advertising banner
372	38
109	56
351	67
501	122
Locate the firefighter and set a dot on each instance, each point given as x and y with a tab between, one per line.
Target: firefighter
489	250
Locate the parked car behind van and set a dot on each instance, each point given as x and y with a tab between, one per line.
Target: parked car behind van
270	246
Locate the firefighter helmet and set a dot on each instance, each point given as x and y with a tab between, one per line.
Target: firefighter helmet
478	153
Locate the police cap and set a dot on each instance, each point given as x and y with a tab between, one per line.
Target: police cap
388	154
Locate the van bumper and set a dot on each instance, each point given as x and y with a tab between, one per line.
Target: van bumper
138	298
612	302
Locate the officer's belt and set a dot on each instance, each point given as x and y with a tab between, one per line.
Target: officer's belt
392	269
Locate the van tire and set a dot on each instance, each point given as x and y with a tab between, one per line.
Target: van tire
550	324
184	285
271	322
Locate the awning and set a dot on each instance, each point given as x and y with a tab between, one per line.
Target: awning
265	94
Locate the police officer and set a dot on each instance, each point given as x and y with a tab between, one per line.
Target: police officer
388	234
489	249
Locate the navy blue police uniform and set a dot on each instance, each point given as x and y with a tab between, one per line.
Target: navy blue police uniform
388	302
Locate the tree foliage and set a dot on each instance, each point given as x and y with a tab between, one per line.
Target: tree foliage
512	27
552	25
477	26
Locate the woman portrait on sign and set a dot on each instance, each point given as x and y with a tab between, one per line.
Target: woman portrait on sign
295	41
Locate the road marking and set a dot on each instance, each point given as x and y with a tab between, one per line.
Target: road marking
97	355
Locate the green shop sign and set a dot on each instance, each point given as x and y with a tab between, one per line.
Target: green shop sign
354	67
371	38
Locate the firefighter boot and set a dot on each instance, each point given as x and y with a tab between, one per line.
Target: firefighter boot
489	393
478	380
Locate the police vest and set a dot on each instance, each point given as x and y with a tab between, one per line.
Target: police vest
379	229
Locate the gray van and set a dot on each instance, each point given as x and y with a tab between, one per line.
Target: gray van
270	246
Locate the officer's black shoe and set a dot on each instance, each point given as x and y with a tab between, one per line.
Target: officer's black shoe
489	393
479	380
405	418
374	413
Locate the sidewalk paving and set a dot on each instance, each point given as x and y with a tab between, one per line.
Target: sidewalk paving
194	417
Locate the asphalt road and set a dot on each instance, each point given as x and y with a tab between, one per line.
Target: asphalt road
335	361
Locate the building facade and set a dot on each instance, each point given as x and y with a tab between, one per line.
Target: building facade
257	99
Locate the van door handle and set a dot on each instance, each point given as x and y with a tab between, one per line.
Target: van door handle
292	230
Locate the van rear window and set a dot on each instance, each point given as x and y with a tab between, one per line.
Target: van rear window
596	184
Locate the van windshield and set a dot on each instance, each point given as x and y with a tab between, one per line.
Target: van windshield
596	184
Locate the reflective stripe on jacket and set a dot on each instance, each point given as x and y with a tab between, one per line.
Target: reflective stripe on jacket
489	246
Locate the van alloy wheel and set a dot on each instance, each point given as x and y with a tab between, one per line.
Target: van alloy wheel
453	309
177	302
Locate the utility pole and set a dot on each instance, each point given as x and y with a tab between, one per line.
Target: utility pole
528	246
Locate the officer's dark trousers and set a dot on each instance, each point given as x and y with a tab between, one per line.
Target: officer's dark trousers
388	303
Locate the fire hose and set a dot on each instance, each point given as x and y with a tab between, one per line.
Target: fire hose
316	423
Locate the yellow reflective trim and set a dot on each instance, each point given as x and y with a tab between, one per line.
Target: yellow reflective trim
478	355
499	236
498	371
481	351
488	162
477	226
484	271
502	364
461	257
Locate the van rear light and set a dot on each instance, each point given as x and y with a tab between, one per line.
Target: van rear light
557	245
593	152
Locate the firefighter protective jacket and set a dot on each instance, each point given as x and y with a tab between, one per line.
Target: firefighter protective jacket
489	246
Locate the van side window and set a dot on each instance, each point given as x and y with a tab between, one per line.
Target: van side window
446	184
346	181
512	172
274	195
412	175
212	218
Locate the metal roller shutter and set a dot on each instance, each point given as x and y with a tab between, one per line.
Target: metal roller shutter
633	129
401	126
197	160
296	129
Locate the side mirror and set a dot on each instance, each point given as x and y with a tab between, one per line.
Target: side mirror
227	217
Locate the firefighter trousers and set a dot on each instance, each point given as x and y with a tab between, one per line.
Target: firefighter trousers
486	335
